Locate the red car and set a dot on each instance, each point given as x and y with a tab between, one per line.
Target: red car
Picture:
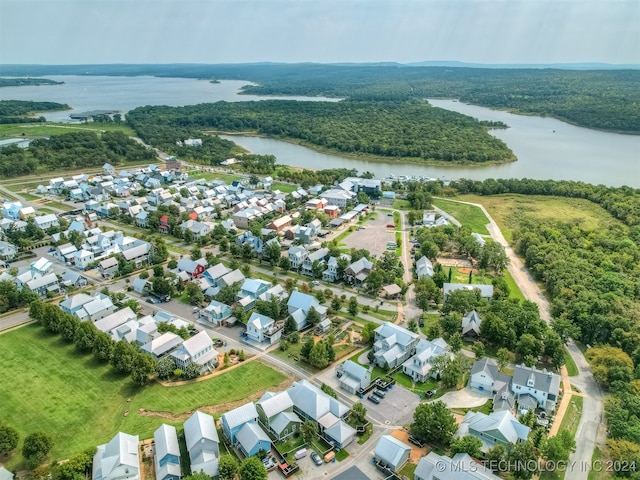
390	225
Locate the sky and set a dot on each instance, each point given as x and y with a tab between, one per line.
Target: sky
323	31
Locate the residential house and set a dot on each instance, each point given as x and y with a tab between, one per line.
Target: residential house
108	267
357	272
212	274
71	278
276	415
250	292
72	304
83	258
5	474
43	285
141	285
498	428
261	328
162	345
296	256
8	251
391	453
460	467
251	440
138	254
486	291
215	312
280	223
142	218
311	403
332	210
11	210
424	268
353	377
235	276
198	229
485	377
471	324
393	345
163	227
232	421
420	366
45	222
98	308
118	459
197	349
331	272
317	256
203	443
299	305
532	387
167	453
193	268
481	241
337	197
113	321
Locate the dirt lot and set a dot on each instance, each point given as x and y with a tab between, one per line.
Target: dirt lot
374	236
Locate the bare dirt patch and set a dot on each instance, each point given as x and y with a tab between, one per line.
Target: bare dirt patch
416	452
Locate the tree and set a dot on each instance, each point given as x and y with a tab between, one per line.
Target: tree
478	349
166	366
610	364
35	448
368	334
353	306
75	468
455	341
271	253
313	317
450	323
328	390
358	414
624	454
451	373
308	430
305	351
284	263
85	336
467	444
228	467
433	423
123	356
413	326
8	439
252	468
198	476
528	345
143	367
522	458
194	293
502	356
318	355
192	370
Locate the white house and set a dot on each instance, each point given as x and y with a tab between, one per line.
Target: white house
202	442
197	349
118	459
393	345
420	366
261	328
541	386
45	222
391	453
424	268
353	377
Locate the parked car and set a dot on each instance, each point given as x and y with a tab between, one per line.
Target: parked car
416	441
374	399
379	393
390	225
316	458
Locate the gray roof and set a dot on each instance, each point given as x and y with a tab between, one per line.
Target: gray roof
352	473
163	344
471	322
116	319
121	450
137	251
166	441
391	450
486	364
461	467
354	370
275	403
5	474
199	426
40	282
240	415
503	422
544	381
281	420
314	402
340	431
251	434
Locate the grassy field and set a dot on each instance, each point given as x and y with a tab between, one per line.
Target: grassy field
401	204
572	416
284	187
81	402
507	209
572	369
467	215
225	177
44	130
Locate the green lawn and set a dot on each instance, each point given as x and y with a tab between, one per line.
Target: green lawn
468	215
81	402
600	460
225	177
284	187
401	204
572	369
408	470
429	320
572	416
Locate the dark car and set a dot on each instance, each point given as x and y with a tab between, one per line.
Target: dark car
316	458
379	393
150	300
374	399
416	441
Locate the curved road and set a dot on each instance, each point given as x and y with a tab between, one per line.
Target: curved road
591	431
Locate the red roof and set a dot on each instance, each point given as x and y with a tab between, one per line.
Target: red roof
193	215
164	219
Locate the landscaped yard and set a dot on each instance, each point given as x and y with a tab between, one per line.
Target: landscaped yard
468	215
48	386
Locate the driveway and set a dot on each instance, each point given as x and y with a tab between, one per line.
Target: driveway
464	398
373	235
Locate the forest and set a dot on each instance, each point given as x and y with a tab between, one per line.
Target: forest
413	130
72	150
601	99
19	111
26	81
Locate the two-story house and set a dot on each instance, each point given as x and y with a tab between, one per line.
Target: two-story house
261	328
296	256
440	467
197	349
276	415
193	268
215	312
353	377
233	420
317	256
299	305
357	272
250	292
420	366
393	345
535	388
498	428
167	453
424	268
471	324
108	267
203	443
118	459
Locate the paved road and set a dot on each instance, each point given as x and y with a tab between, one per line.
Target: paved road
591	431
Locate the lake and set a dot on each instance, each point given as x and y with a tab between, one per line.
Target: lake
546	148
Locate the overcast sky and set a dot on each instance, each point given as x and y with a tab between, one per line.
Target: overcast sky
237	31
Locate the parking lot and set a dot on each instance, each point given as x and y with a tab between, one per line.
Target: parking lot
373	235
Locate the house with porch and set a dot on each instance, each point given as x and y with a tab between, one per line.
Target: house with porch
357	272
420	366
251	440
535	388
393	345
353	377
108	267
197	349
319	256
498	428
233	420
118	459
216	312
276	415
299	305
250	292
296	256
261	329
7	250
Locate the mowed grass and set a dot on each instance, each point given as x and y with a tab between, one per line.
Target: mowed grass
49	386
29	130
225	177
468	215
507	210
284	187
